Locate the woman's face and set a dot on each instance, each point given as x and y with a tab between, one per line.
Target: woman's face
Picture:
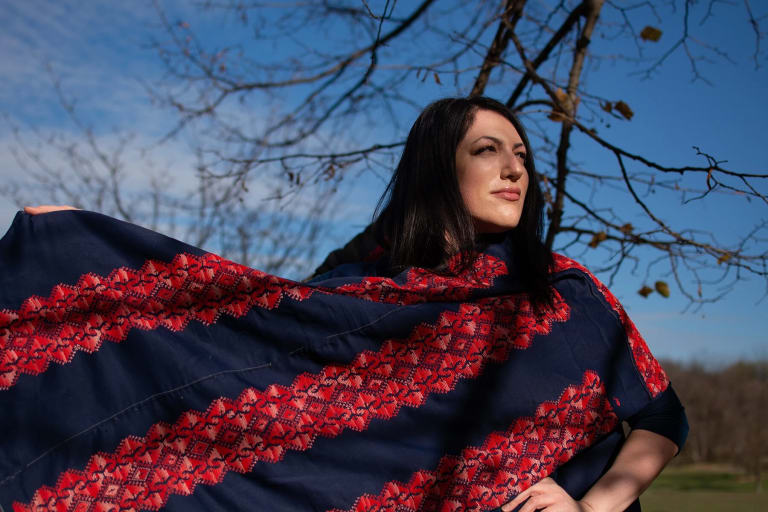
490	166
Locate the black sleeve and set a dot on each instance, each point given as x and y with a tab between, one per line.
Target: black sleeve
356	250
664	415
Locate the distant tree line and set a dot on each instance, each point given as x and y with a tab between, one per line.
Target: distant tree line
727	410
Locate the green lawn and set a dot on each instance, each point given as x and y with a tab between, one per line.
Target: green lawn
704	489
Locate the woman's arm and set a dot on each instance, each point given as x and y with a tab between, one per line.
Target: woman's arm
638	463
640	460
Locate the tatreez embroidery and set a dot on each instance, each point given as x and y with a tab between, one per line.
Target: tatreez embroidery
424	285
653	374
80	317
485	477
97	308
259	426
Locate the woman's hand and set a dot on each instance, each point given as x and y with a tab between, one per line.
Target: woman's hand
640	460
546	495
46	208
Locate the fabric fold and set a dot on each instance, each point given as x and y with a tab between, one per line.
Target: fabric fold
135	368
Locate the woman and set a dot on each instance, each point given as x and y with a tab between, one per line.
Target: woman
466	191
467	175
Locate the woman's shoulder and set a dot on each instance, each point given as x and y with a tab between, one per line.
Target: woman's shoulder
562	263
565	268
590	288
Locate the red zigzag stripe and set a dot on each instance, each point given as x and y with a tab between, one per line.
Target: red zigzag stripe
486	477
80	317
261	425
653	374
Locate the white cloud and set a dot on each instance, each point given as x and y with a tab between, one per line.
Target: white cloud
95	48
78	41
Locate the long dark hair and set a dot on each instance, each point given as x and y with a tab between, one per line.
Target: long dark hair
421	219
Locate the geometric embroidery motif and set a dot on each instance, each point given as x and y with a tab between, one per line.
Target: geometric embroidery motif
97	308
653	374
424	285
259	426
488	476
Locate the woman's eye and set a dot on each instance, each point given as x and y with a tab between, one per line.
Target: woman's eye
521	156
486	148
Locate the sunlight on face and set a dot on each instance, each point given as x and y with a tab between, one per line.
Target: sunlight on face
490	167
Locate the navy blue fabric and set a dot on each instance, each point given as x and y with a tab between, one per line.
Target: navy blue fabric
59	419
664	415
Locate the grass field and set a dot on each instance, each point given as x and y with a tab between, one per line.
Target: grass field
705	489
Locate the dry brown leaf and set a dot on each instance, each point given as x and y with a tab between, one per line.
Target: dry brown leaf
437	79
606	106
556	116
662	288
598	237
562	96
624	110
627	228
559	115
650	33
724	257
645	291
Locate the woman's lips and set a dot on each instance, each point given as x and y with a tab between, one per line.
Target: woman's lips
509	194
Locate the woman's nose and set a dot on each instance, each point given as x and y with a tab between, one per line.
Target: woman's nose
513	169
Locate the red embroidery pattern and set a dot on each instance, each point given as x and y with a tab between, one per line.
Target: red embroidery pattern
653	374
233	435
426	286
486	477
80	317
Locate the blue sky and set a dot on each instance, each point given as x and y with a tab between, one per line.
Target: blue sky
98	49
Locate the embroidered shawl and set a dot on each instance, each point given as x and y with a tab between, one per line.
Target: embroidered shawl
140	373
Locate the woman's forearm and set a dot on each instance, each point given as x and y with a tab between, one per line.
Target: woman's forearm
638	463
